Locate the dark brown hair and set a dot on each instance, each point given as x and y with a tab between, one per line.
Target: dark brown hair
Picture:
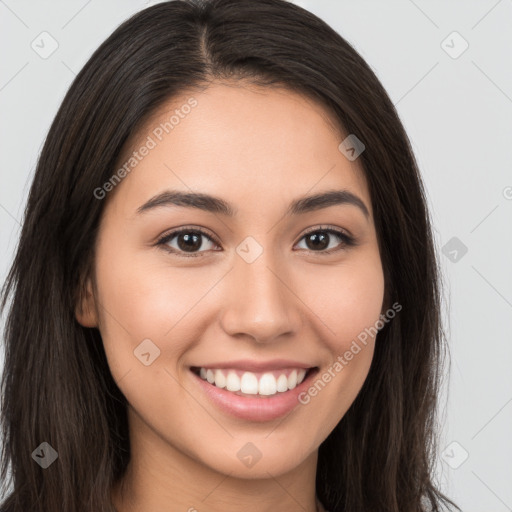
57	386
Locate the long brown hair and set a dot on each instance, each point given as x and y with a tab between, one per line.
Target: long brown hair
57	387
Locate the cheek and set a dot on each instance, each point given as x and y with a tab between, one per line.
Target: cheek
349	302
142	297
347	298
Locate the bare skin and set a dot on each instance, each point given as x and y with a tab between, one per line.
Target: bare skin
258	149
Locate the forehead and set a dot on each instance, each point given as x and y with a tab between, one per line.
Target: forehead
242	141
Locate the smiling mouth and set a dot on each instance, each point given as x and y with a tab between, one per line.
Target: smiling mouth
254	384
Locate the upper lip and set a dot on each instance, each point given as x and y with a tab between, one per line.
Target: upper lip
257	366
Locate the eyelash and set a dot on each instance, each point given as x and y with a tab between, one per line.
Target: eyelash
347	240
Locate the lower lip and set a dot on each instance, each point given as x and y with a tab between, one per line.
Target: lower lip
255	408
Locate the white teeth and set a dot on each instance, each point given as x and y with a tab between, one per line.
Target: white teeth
233	382
282	383
220	380
249	384
268	384
292	379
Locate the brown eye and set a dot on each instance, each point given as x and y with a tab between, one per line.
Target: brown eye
187	241
320	240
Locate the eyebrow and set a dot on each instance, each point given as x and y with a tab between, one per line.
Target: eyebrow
209	203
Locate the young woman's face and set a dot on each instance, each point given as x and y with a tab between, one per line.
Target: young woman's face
263	296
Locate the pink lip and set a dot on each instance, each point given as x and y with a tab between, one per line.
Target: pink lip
254	408
257	366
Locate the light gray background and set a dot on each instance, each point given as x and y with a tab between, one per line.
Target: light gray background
457	110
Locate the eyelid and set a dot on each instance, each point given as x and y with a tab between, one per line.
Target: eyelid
169	235
348	240
328	227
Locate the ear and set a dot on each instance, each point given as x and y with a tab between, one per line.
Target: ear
85	309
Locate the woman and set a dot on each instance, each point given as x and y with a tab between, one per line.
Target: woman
225	295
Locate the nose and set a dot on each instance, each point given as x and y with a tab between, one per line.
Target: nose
260	301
